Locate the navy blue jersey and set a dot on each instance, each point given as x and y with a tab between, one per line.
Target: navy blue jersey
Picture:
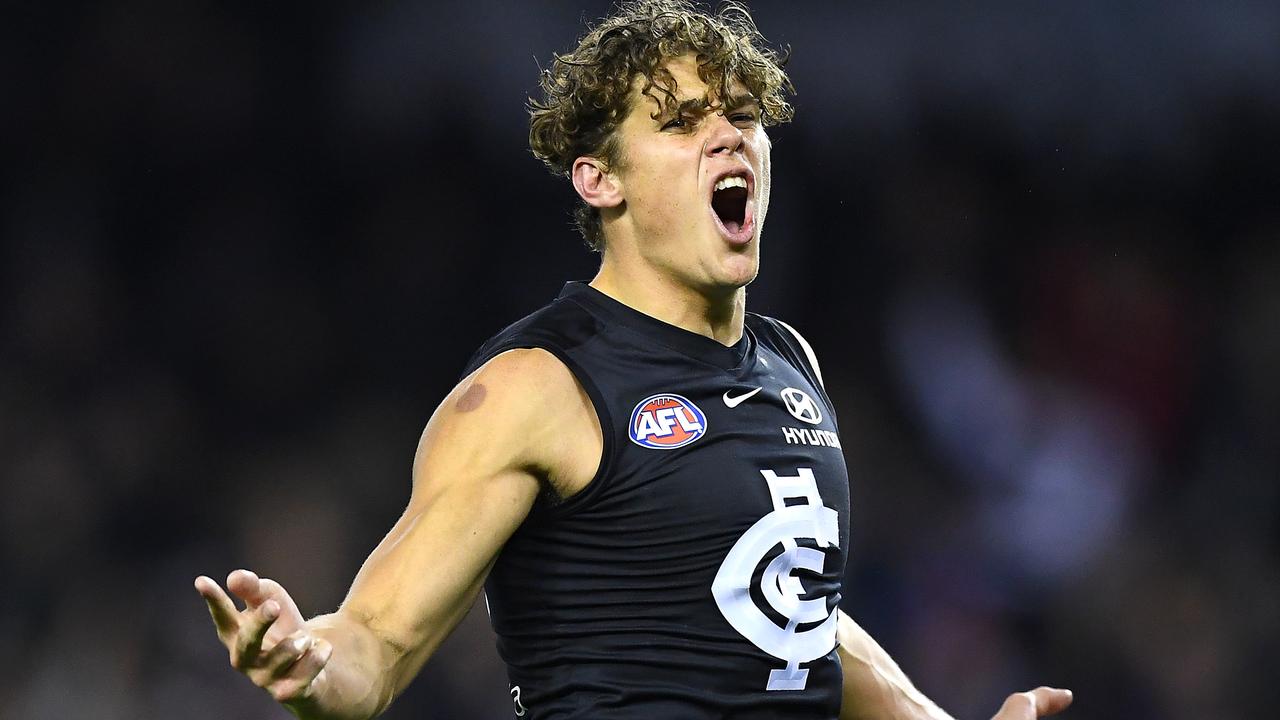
698	574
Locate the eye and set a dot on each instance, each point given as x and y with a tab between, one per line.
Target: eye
676	123
748	118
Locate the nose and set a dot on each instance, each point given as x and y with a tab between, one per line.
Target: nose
726	138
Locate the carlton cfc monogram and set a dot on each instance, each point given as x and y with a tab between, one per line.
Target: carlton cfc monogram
780	588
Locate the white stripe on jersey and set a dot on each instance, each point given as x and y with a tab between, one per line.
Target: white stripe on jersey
808	352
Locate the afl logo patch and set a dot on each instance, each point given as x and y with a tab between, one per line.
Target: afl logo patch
666	421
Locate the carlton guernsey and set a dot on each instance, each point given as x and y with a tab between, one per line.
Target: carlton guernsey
697	575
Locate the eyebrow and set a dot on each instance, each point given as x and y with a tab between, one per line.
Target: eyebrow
695	105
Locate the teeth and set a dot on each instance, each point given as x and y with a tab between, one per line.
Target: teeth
731	182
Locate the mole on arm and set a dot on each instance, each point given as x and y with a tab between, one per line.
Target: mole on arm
472	398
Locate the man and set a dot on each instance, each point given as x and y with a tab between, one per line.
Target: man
645	478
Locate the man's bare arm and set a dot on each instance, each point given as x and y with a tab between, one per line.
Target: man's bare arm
476	474
875	688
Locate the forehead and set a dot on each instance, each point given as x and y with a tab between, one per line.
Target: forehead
687	86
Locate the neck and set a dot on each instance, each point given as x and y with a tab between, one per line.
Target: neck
718	316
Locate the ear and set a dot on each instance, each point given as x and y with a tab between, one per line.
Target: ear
595	184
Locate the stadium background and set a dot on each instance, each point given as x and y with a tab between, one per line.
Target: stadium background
247	249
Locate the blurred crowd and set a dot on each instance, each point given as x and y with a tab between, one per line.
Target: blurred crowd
245	251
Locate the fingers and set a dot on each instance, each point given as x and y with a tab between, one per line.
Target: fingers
289	614
224	613
1041	702
269	588
257	591
253	628
277	661
246	586
1050	701
299	681
288	669
242	632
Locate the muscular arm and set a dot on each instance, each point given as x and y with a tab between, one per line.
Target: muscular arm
476	474
875	688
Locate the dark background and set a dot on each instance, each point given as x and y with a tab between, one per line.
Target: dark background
1036	245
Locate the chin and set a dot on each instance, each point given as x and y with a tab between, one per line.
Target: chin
738	272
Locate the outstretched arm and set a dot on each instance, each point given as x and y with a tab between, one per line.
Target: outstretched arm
875	688
476	475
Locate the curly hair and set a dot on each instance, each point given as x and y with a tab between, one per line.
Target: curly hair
586	92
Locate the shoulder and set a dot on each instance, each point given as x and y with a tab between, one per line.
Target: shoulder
520	378
520	390
524	393
522	410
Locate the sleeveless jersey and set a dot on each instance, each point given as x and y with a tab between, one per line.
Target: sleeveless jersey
697	575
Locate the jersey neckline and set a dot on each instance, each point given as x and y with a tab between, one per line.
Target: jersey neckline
699	347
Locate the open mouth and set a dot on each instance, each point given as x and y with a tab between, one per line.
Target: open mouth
730	204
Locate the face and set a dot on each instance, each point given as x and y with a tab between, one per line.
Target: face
695	182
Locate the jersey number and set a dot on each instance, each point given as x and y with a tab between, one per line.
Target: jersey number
515	698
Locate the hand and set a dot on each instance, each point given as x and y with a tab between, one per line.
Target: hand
268	641
1038	703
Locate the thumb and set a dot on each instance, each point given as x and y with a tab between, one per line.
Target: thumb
1048	701
1038	703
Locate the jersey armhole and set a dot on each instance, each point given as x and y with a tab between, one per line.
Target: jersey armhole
808	352
560	507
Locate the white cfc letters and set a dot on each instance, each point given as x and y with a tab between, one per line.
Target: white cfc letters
808	518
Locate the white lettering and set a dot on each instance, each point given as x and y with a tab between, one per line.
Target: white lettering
647	426
662	422
666	418
687	421
809	436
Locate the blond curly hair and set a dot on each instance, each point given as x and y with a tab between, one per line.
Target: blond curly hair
586	91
